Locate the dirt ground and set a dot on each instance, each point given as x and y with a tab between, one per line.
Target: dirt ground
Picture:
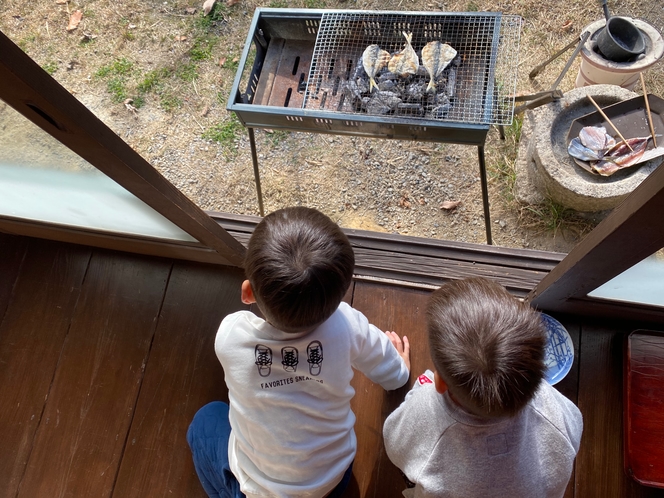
159	73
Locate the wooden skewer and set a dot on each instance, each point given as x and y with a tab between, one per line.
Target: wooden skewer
645	97
609	121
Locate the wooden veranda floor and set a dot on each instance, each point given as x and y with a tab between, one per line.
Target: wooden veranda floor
106	356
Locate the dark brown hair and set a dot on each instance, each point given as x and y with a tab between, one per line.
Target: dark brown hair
487	346
300	264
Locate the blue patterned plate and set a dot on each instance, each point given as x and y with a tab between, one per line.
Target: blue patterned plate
558	350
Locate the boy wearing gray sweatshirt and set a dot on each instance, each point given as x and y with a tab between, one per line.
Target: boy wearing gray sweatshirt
484	423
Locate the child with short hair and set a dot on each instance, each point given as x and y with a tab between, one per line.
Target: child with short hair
484	423
289	430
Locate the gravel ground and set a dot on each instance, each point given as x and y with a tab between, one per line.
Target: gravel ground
383	185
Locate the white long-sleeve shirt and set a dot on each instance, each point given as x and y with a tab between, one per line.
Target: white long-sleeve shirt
292	427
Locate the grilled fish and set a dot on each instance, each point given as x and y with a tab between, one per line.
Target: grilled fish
619	156
374	59
405	62
435	57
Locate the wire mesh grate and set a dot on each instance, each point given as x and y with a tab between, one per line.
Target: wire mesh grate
476	86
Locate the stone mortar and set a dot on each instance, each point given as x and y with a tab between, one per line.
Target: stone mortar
547	168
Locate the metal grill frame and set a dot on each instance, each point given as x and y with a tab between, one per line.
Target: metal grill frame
302	25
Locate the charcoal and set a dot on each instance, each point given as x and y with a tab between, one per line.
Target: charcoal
382	103
406	96
362	85
389	85
415	91
450	88
386	75
441	111
359	70
352	90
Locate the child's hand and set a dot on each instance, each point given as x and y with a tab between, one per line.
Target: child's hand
403	347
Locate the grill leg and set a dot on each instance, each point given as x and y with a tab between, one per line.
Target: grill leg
257	176
485	194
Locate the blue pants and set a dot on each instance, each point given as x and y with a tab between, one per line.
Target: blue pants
208	437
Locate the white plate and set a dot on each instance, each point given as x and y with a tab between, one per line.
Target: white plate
558	350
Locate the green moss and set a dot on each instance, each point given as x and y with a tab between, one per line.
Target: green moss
170	102
119	67
50	67
224	133
314	4
202	48
116	86
187	72
154	80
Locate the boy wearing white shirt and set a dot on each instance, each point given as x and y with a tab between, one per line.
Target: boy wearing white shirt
289	429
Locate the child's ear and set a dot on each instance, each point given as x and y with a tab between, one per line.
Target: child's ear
247	293
438	381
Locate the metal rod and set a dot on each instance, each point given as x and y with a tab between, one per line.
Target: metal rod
485	194
582	41
605	8
645	97
538	69
257	176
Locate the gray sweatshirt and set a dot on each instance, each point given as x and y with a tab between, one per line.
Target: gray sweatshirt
449	452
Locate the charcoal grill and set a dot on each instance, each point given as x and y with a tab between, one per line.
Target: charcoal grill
301	70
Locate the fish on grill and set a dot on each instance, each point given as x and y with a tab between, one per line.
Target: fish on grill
435	58
405	62
374	59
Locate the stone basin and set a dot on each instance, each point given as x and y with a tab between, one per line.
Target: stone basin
545	169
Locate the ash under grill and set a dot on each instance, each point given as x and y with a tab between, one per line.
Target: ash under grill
471	89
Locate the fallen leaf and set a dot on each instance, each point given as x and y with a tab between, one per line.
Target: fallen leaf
87	37
205	111
130	107
449	205
230	3
567	26
180	38
207	6
74	20
235	59
190	10
222	61
404	203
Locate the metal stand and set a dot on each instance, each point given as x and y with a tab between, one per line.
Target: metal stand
257	176
480	156
485	194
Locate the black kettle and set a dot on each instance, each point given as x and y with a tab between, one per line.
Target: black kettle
620	40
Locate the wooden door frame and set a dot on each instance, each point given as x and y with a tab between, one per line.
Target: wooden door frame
631	233
32	92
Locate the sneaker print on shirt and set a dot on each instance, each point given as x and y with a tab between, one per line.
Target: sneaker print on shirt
263	360
289	358
315	357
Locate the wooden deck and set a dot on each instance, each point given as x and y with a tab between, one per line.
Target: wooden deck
106	356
